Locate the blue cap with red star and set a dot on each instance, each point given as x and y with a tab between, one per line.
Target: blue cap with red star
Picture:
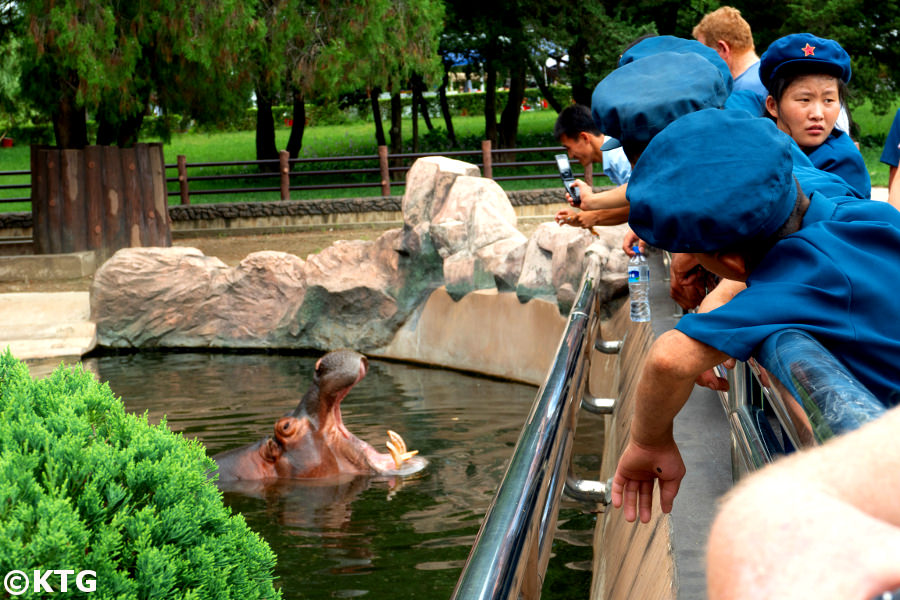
803	53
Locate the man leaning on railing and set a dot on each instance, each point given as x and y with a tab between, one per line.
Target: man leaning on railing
718	184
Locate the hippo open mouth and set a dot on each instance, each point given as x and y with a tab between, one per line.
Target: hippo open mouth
312	441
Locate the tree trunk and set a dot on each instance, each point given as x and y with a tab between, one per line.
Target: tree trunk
416	97
418	87
129	130
70	124
509	120
423	104
396	131
376	116
490	105
265	131
542	85
445	110
295	142
581	91
107	132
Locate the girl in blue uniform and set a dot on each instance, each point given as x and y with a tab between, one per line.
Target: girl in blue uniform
806	77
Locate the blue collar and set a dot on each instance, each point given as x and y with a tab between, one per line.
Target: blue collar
821	208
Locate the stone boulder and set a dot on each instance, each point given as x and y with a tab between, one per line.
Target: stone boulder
144	297
555	258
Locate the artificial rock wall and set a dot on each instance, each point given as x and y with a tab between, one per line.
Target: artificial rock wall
457	277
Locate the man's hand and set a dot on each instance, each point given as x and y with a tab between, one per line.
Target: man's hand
688	281
631	239
710	380
638	468
583	190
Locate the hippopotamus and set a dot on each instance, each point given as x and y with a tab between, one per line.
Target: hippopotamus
312	441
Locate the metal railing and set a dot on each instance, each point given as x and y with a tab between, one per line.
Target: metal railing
512	549
811	396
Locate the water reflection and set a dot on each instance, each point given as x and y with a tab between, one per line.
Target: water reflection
380	537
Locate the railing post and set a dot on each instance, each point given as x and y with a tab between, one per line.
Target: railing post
589	174
488	169
284	168
385	171
182	179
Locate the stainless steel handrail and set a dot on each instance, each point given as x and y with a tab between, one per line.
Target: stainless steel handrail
812	396
512	549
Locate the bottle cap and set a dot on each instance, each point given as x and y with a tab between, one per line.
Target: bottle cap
636	249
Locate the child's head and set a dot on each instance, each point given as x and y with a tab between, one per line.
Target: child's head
713	181
639	99
806	77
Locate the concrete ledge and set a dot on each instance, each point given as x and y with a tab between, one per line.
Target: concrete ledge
43	267
486	332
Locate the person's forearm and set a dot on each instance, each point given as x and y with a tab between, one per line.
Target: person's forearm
672	365
721	294
607	199
605	217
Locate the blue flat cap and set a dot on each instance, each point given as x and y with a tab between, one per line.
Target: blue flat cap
803	53
636	101
669	43
710	181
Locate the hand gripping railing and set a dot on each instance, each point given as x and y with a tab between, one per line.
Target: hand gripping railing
512	549
811	394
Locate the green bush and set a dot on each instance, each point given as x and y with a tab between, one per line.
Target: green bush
85	486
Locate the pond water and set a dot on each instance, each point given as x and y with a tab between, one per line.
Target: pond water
372	537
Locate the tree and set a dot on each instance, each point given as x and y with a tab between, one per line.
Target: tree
869	31
109	58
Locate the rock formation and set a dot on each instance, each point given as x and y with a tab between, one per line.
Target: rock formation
459	231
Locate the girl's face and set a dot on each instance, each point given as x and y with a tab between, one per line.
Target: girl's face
808	109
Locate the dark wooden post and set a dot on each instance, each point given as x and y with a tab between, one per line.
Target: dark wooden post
284	167
159	197
385	171
93	193
183	180
487	170
115	235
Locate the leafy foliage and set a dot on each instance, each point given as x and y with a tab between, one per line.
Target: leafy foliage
85	486
109	57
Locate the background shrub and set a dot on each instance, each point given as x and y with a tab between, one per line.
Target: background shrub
85	486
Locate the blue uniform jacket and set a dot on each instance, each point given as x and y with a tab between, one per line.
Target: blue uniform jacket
891	153
836	279
839	155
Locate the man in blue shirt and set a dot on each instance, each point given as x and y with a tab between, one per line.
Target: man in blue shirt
725	31
719	185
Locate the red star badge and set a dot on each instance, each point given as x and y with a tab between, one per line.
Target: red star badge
808	50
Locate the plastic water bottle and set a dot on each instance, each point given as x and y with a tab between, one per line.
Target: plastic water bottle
639	286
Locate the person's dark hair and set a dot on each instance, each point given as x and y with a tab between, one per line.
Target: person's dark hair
755	250
637	41
633	150
573	120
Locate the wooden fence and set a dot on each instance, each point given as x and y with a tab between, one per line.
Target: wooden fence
386	172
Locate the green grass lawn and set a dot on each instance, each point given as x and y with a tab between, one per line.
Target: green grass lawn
358	139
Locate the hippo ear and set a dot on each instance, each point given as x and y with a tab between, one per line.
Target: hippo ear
270	450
